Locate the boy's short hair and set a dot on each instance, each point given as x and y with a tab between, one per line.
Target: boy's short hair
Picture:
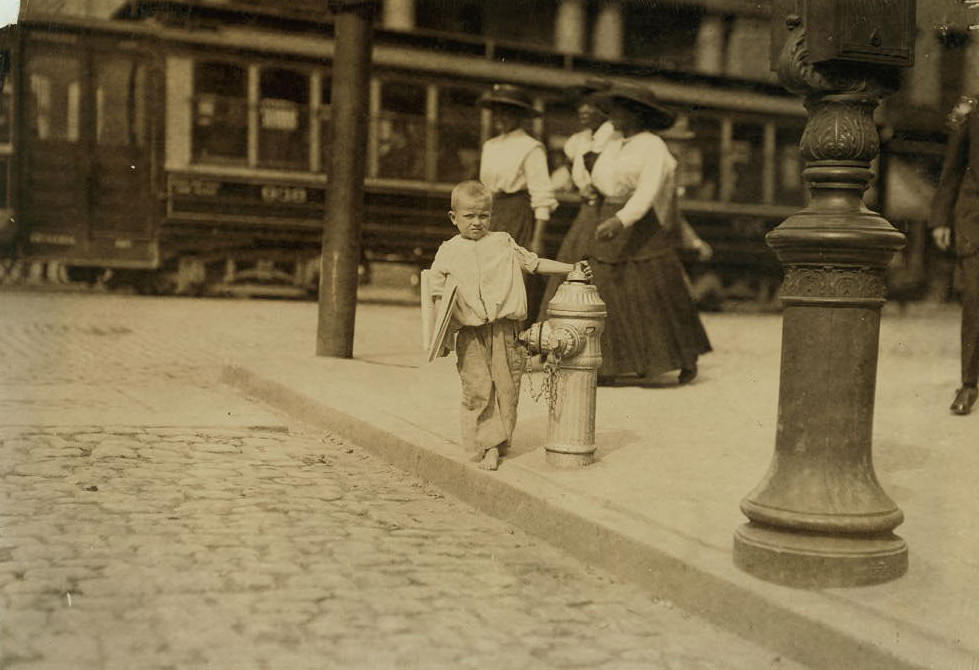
470	190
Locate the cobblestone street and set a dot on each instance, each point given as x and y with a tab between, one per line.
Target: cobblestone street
152	518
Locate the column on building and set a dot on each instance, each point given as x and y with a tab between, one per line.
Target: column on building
398	15
924	80
607	36
748	49
710	45
569	27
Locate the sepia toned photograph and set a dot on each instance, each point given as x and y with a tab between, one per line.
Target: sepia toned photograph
458	334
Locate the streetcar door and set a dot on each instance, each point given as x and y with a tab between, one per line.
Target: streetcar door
54	184
121	202
86	187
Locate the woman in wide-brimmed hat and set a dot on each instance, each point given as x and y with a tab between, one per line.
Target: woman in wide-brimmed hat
653	326
514	167
582	149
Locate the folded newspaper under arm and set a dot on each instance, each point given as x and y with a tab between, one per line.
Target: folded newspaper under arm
436	315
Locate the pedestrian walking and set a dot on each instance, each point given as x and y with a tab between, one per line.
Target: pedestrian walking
487	268
514	167
513	164
581	149
653	326
954	221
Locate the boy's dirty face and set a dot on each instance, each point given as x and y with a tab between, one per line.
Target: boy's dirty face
472	217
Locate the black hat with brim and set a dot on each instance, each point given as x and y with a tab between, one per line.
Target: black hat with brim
655	116
587	91
506	95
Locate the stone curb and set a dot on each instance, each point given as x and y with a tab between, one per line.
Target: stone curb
814	628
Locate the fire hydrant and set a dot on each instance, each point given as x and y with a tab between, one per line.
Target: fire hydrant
571	341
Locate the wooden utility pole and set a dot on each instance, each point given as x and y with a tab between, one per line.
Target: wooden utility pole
344	213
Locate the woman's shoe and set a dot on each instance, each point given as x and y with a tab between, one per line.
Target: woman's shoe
965	398
687	375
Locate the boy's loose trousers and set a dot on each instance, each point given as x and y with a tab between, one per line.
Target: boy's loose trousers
490	364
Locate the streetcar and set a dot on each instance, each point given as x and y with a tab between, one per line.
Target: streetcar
184	147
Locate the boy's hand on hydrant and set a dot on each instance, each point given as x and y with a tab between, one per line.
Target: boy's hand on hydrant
585	268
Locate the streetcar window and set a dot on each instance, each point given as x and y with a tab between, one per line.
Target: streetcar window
5	110
55	92
746	162
701	176
788	167
120	103
4	176
399	131
6	86
283	126
458	132
326	125
220	112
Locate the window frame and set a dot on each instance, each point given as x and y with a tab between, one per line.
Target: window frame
195	98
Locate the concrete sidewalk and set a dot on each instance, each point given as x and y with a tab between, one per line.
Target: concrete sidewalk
661	504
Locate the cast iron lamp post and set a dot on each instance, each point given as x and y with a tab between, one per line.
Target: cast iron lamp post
819	517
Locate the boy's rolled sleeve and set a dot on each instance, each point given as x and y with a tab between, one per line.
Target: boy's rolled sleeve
528	259
439	274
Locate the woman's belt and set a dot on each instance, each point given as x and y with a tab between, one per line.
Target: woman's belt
600	200
502	195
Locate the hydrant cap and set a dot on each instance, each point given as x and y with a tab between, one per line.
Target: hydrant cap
577	275
576	298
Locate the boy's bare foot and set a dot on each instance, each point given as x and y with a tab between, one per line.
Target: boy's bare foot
491	459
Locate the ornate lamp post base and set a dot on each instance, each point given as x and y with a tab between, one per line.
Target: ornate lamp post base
819	517
814	560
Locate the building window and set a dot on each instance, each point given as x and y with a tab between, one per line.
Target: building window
283	119
458	128
220	112
666	34
530	22
788	169
746	162
55	93
462	17
400	131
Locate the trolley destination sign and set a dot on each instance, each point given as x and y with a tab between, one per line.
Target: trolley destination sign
238	200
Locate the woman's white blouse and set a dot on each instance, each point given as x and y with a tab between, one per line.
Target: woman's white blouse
583	142
516	162
640	170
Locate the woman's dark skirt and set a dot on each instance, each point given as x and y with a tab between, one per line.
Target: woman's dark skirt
512	214
652	326
575	246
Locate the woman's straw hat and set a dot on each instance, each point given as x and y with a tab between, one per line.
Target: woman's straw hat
507	95
655	116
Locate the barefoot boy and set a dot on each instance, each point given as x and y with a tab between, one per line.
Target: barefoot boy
491	304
